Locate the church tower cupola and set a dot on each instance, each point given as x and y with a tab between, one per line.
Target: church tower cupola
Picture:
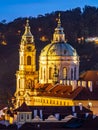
27	36
58	35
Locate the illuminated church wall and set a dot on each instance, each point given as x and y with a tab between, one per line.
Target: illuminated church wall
58	61
26	76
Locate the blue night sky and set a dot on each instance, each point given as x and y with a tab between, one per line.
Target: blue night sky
12	9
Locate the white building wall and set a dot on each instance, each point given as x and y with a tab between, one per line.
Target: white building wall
60	63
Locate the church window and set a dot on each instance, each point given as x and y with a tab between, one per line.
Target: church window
64	51
60	102
29	84
64	73
41	72
22	116
53	101
71	74
44	74
29	60
58	72
50	73
43	100
27	116
75	73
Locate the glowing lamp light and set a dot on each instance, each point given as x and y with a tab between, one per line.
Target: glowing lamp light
90	104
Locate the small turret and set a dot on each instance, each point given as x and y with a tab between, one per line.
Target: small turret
59	35
27	36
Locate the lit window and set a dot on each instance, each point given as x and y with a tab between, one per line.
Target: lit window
64	73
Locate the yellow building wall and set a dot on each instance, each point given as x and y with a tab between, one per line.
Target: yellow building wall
49	101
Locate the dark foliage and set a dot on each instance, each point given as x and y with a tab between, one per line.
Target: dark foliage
2	126
13	127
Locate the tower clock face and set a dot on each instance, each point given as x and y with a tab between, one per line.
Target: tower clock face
29	48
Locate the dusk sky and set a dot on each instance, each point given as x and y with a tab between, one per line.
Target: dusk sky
12	9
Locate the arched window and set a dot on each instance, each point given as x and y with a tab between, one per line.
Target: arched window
44	74
75	73
41	73
29	60
64	73
50	73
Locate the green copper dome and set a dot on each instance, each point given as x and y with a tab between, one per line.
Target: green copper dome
59	49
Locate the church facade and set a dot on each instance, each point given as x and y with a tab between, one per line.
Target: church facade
57	83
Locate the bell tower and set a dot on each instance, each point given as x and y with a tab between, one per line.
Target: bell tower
26	76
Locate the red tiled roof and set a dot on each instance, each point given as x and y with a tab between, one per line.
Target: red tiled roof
91	75
60	90
64	91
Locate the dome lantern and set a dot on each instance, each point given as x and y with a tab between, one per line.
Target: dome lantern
58	35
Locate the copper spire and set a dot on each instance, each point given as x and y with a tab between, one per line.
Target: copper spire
27	34
59	20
